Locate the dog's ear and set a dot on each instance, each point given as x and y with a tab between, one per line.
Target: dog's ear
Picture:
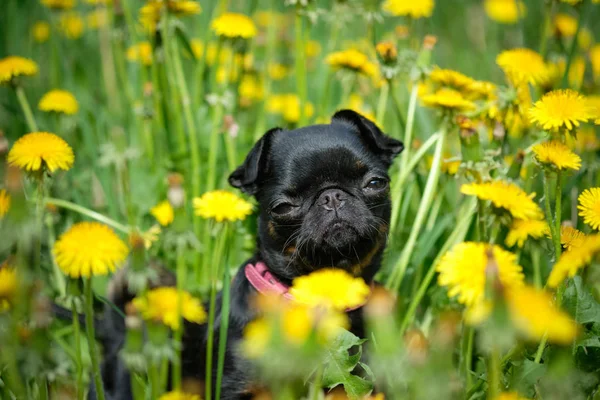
387	147
247	176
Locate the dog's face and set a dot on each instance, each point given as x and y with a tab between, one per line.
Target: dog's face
323	193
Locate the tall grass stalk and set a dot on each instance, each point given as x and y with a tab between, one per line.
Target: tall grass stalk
300	66
29	118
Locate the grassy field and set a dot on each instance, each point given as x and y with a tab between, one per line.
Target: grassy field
121	120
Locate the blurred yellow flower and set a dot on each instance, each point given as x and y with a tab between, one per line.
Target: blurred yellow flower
163	212
510	396
565	24
15	66
570	237
463	270
60	101
523	66
560	109
99	2
8	285
150	13
312	48
141	52
59	4
162	305
387	51
233	25
288	106
250	90
4	203
585	140
295	323
352	60
522	229
595	61
577	72
184	7
176	395
89	249
450	78
330	287
482	90
571	261
593	102
222	205
71	25
589	207
534	314
571	2
448	99
507	196
505	11
556	154
40	31
37	149
277	71
409	8
97	18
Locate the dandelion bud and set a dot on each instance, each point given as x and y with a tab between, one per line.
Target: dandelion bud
13	179
136	241
446	330
387	51
380	304
176	193
417	346
515	167
402	31
429	42
469	140
148	89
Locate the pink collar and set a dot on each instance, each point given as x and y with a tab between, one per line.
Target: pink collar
264	281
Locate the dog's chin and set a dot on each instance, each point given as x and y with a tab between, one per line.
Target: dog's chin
340	235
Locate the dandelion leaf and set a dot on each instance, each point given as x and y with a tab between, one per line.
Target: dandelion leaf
580	303
343	357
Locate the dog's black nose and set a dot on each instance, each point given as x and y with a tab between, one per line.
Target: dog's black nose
332	199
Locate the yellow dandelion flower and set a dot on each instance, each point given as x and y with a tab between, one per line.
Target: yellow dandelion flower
535	315
589	207
277	71
141	52
4	203
510	396
59	4
387	51
250	89
565	25
40	31
334	288
312	48
482	90
450	78
14	66
522	229
560	109
163	304
60	101
586	140
593	102
523	66
463	270
407	8
97	18
89	249
71	25
595	61
37	149
577	72
575	259
150	13
184	7
505	11
163	212
177	395
351	60
8	282
507	196
570	237
99	2
288	106
233	25
556	154
222	205
448	99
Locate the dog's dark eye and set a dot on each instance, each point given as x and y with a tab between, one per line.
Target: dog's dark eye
282	209
376	184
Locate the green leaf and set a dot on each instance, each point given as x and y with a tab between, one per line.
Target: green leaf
184	40
580	303
526	375
342	357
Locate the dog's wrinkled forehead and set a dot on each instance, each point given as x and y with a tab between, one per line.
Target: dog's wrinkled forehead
321	154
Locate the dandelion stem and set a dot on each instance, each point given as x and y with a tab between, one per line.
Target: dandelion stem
494	374
31	124
552	226
300	67
540	349
535	260
78	362
88	213
580	22
224	327
381	104
557	214
181	279
91	337
399	268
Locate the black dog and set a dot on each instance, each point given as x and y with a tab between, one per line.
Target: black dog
323	194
